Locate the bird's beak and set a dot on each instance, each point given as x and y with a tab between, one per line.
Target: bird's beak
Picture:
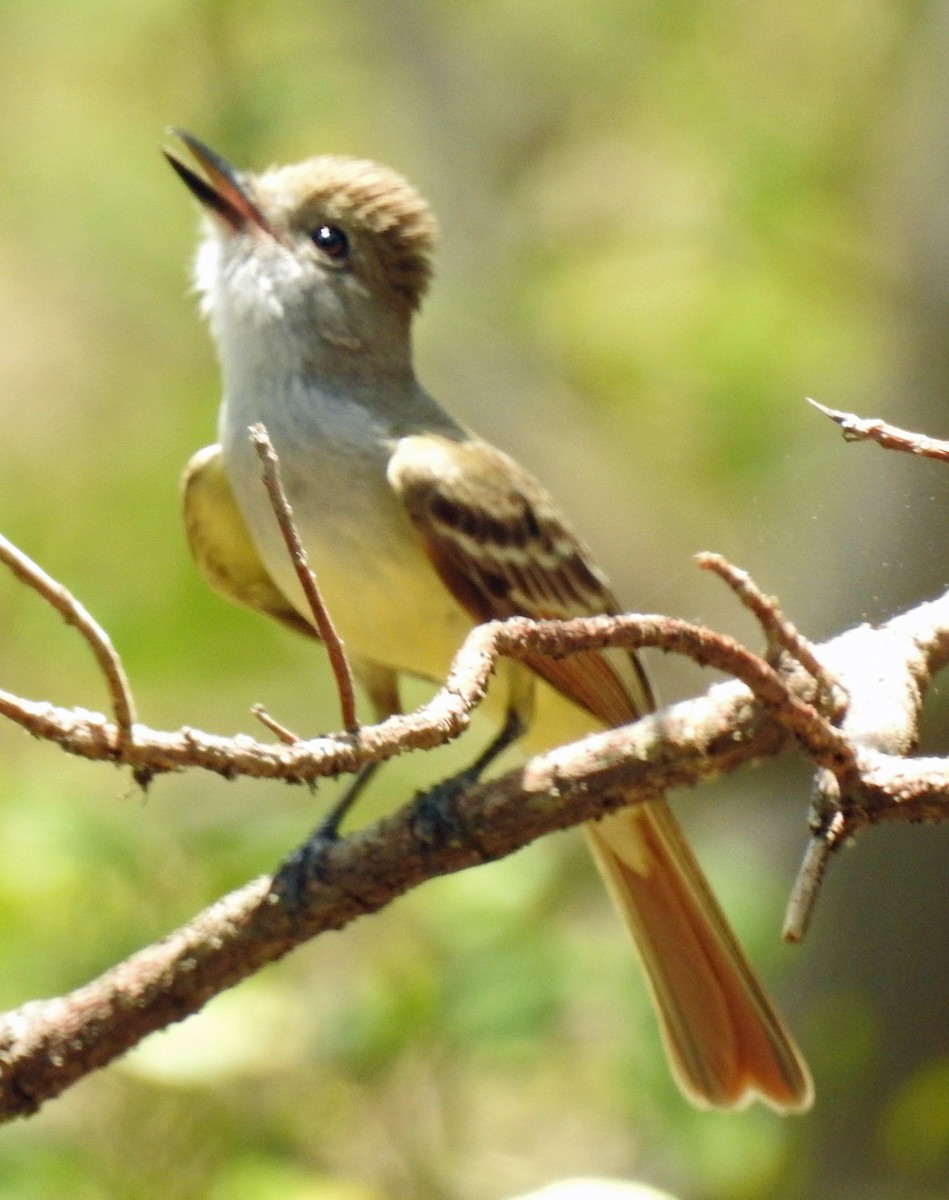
222	191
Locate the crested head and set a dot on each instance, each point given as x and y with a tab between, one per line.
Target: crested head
326	260
371	205
339	245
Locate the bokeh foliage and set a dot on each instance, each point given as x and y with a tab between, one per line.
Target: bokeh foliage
664	224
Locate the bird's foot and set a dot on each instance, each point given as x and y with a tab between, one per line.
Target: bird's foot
435	817
305	866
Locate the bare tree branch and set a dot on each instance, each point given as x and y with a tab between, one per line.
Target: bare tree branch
91	735
47	1045
862	766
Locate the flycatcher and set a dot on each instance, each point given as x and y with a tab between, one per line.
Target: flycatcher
417	530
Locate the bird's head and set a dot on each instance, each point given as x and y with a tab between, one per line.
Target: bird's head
334	247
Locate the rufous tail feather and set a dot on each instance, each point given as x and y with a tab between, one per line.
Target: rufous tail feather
725	1042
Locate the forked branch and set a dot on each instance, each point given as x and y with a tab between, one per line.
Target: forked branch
852	707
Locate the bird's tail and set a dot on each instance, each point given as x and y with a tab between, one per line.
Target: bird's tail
726	1044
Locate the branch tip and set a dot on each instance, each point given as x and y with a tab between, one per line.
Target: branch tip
780	633
281	732
96	638
889	437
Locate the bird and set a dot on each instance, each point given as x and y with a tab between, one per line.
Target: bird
417	529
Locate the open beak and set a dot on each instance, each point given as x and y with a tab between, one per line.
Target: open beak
221	190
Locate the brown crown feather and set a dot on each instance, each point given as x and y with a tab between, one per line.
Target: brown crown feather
360	196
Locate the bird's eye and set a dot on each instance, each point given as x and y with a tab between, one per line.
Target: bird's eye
331	240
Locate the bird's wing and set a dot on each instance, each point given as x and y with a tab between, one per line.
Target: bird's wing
501	547
222	546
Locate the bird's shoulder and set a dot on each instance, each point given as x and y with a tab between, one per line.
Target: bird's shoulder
479	508
502	547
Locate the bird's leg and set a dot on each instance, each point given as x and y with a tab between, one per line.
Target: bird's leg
506	736
434	818
305	863
328	828
433	821
382	687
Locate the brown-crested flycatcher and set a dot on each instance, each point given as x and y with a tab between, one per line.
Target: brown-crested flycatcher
416	529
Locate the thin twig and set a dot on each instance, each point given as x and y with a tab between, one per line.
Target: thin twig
281	732
809	879
73	613
861	429
339	662
448	713
779	631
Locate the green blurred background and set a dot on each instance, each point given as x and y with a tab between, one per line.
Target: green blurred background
664	224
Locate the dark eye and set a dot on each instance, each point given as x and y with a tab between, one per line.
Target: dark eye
331	240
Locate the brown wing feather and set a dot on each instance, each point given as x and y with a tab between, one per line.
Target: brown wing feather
499	544
502	548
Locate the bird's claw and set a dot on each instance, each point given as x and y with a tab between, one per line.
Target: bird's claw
435	819
305	866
